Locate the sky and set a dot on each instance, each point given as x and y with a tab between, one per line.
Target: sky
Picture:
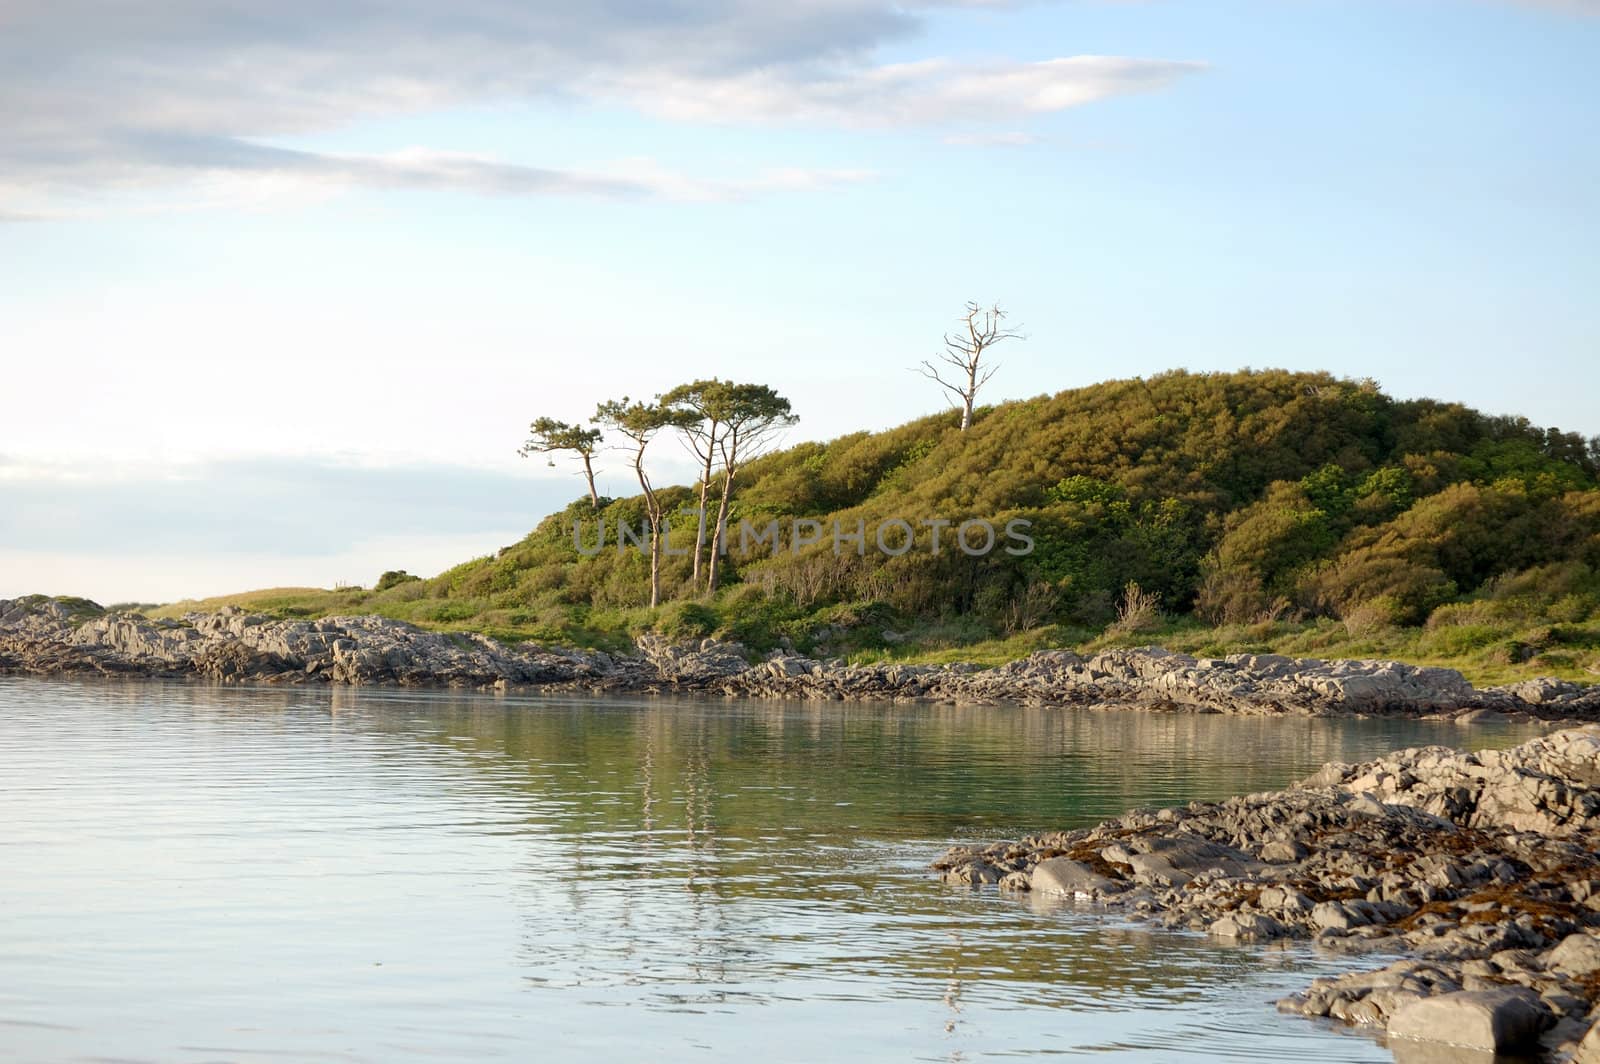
284	284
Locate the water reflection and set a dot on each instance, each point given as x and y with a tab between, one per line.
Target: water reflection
366	875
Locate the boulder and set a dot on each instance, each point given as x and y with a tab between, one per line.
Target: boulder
1062	875
1282	851
1172	862
1496	1021
1248	927
1589	1049
1577	956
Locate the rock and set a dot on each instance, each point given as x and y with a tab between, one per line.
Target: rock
1174	861
1588	1051
1577	956
1336	916
1062	875
42	636
1424	850
1543	689
1495	1021
1408	1052
1282	851
1248	927
1284	898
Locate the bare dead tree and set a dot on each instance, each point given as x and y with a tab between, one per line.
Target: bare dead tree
959	367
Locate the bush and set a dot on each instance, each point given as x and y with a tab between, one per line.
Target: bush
1405	590
394	578
1232	596
684	621
1029	608
1139	610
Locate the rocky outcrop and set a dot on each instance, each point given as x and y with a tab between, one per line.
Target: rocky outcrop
1483	868
1490	1021
43	636
232	646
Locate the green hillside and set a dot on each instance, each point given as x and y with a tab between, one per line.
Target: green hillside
1268	510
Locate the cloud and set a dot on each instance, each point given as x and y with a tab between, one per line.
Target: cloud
151	94
929	92
283	506
1570	7
227	171
1014	138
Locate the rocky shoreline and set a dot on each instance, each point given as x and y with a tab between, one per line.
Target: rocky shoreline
48	637
1482	869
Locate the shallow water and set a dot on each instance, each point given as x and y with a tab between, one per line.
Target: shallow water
195	874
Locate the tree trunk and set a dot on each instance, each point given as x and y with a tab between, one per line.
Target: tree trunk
714	559
718	531
655	562
969	395
652	511
588	474
700	528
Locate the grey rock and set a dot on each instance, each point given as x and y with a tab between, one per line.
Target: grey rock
1496	1021
1482	905
1282	851
1338	916
1248	927
1175	861
44	637
1588	1051
1577	956
1062	875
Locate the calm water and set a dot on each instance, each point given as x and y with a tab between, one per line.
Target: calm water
189	874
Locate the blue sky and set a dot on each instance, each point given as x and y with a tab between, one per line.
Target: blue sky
353	249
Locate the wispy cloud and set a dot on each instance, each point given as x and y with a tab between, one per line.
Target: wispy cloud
152	94
1571	7
1013	138
213	171
929	92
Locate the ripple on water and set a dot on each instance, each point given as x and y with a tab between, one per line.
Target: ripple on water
195	873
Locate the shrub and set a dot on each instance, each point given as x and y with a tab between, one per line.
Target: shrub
1366	617
1030	607
683	621
394	578
1232	596
1408	591
1457	639
1139	610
